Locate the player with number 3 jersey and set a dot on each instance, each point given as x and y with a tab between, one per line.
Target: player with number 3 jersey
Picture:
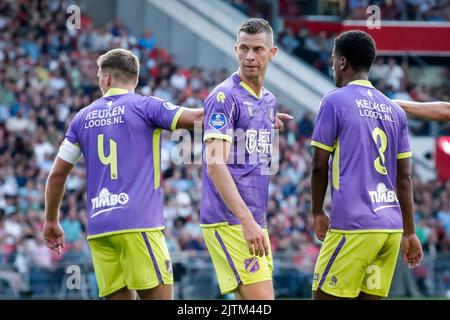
366	136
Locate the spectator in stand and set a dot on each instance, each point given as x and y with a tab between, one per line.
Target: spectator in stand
289	41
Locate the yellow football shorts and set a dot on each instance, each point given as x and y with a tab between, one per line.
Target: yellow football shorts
349	263
232	260
136	260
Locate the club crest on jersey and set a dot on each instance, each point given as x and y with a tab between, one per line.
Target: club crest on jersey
249	106
169	105
217	120
251	264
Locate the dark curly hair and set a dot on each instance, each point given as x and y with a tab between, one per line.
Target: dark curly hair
358	47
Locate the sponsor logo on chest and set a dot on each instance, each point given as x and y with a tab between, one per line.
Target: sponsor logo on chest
258	140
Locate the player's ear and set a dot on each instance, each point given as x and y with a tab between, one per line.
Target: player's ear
273	52
108	79
343	63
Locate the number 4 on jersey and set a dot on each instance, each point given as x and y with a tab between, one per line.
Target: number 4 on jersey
108	160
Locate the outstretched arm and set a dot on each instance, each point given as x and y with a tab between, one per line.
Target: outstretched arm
189	117
438	111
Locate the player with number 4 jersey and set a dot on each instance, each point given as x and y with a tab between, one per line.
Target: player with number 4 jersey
120	196
119	137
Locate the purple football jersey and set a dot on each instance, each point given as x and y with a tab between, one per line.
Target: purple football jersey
233	112
367	133
119	136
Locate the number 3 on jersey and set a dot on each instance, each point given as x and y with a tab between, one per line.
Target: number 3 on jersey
381	160
110	160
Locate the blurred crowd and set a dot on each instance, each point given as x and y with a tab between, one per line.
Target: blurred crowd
390	75
411	10
48	73
393	76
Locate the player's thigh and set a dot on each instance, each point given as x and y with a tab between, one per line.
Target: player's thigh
145	259
380	270
341	265
234	264
122	294
161	292
256	291
107	267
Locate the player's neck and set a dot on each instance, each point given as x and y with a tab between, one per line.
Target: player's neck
255	84
128	88
356	76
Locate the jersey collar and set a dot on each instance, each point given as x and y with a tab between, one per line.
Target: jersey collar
115	91
247	87
361	82
250	90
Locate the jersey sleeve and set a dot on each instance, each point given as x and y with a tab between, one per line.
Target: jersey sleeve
72	132
70	150
218	121
404	149
326	128
163	114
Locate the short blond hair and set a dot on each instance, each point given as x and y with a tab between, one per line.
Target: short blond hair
122	64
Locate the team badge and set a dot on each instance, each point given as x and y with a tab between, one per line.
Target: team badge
251	264
217	120
249	106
